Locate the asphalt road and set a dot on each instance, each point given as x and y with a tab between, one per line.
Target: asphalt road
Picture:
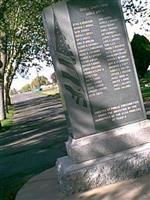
34	143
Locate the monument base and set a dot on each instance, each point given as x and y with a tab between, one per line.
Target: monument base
75	177
105	158
106	143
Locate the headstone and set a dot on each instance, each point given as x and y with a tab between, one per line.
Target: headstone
98	81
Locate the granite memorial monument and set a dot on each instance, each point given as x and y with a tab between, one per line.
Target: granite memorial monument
108	131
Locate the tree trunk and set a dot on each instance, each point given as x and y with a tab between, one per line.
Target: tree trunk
9	79
8	99
3	58
2	115
2	106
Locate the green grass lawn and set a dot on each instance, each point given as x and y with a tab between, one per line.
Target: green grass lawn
145	88
8	122
146	94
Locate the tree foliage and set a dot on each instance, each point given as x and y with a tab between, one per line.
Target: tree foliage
23	33
26	88
38	81
54	78
13	91
22	38
137	12
141	52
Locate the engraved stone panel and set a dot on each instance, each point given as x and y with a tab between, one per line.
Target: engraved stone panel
94	65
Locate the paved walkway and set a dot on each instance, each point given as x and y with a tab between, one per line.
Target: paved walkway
45	187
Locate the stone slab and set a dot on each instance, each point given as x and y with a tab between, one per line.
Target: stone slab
116	140
103	171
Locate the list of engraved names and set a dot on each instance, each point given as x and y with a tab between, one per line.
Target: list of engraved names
105	61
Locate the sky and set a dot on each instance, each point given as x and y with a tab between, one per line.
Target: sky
134	29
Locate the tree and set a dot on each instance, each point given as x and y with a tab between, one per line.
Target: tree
2	107
23	36
26	88
137	12
54	78
13	91
38	81
141	52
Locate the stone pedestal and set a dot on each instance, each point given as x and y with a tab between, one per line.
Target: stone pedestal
102	159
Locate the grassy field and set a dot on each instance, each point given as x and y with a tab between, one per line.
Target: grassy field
53	90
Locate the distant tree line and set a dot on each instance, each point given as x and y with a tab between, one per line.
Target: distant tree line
35	84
